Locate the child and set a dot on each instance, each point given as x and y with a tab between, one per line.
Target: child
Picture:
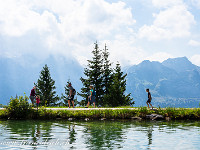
149	98
37	100
91	98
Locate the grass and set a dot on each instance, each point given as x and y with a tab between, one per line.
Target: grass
89	107
125	113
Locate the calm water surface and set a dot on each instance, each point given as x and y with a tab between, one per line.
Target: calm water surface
57	135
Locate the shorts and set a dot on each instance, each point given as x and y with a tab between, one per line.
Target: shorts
32	99
92	99
148	101
71	98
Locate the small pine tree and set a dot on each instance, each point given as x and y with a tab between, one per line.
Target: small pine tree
116	96
46	88
85	89
65	95
93	76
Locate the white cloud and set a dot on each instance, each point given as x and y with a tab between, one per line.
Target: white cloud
195	59
160	56
125	52
64	27
174	21
17	19
166	3
194	43
70	27
121	49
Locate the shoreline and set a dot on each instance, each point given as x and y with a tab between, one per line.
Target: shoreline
138	113
99	108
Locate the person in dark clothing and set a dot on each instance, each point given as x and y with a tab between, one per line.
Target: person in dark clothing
149	98
32	95
71	95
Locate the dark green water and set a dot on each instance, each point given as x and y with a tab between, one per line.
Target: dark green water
99	135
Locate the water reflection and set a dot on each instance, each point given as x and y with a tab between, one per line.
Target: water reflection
149	134
103	134
96	134
27	132
72	135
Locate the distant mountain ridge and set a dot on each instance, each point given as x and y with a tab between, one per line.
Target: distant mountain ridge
180	64
169	81
174	82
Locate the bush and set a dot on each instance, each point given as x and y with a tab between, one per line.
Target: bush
19	107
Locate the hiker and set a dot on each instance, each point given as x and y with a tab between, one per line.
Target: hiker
32	95
91	97
71	95
149	98
37	100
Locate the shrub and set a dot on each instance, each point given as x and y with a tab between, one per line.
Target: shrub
19	107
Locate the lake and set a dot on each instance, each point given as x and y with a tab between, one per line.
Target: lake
107	134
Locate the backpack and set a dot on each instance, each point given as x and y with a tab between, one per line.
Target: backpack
93	93
73	92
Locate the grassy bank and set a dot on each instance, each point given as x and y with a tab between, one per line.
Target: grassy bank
122	113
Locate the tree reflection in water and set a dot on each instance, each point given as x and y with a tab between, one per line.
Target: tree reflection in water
104	134
72	133
91	134
28	131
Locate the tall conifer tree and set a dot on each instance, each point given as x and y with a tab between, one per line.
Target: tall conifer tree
107	74
116	96
46	88
93	76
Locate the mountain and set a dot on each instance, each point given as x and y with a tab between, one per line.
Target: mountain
174	82
180	64
17	78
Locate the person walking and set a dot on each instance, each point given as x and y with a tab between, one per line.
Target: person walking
149	98
32	95
71	95
91	97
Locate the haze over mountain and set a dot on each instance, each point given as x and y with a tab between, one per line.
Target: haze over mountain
174	82
17	78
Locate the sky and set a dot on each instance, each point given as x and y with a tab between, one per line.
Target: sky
133	30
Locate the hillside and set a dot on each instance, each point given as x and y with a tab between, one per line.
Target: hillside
175	82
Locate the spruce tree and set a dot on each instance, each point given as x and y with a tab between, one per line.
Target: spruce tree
93	76
107	75
46	88
117	95
65	95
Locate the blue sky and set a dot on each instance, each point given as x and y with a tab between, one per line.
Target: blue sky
134	30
